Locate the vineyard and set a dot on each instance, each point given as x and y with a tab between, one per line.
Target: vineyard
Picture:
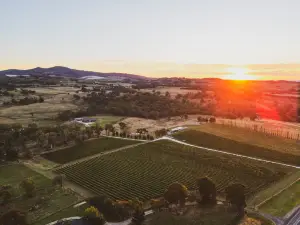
145	171
87	148
208	140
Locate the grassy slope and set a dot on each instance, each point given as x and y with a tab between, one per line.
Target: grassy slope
247	136
268	193
59	198
146	170
86	149
15	173
284	202
208	140
102	120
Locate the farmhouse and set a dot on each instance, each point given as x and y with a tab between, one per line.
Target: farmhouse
176	129
86	121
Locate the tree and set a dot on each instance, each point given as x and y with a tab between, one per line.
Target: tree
176	193
99	129
235	194
122	126
167	94
139	214
14	217
212	119
93	216
5	195
41	99
28	186
207	190
161	132
58	180
109	128
110	209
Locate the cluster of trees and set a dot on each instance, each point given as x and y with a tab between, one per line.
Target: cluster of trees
206	120
24	101
27	92
235	194
15	139
15	216
146	105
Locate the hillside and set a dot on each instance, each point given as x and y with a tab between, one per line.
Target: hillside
67	72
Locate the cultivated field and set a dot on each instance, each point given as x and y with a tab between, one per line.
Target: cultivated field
244	143
145	171
87	148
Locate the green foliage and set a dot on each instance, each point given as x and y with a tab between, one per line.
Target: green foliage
176	193
161	132
14	217
28	186
207	190
93	216
112	211
58	180
235	194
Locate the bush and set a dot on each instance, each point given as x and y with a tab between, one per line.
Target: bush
212	119
28	186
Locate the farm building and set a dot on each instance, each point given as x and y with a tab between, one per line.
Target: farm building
176	129
86	121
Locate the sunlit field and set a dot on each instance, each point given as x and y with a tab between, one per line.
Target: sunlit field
206	138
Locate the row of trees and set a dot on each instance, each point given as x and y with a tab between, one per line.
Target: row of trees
235	194
24	101
15	139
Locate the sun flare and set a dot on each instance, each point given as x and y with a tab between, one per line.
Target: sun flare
238	74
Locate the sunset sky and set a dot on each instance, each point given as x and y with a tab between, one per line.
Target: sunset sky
192	38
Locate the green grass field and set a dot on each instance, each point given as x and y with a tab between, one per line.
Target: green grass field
145	171
281	204
208	140
15	173
51	199
87	148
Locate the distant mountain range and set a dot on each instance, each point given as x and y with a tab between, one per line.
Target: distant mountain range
68	72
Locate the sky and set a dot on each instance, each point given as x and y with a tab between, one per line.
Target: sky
192	38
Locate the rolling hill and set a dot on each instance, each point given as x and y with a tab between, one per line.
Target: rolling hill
68	72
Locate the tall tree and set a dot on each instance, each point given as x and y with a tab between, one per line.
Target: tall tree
207	190
14	217
235	194
176	193
28	187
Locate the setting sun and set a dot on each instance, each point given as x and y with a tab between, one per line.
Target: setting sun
238	74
